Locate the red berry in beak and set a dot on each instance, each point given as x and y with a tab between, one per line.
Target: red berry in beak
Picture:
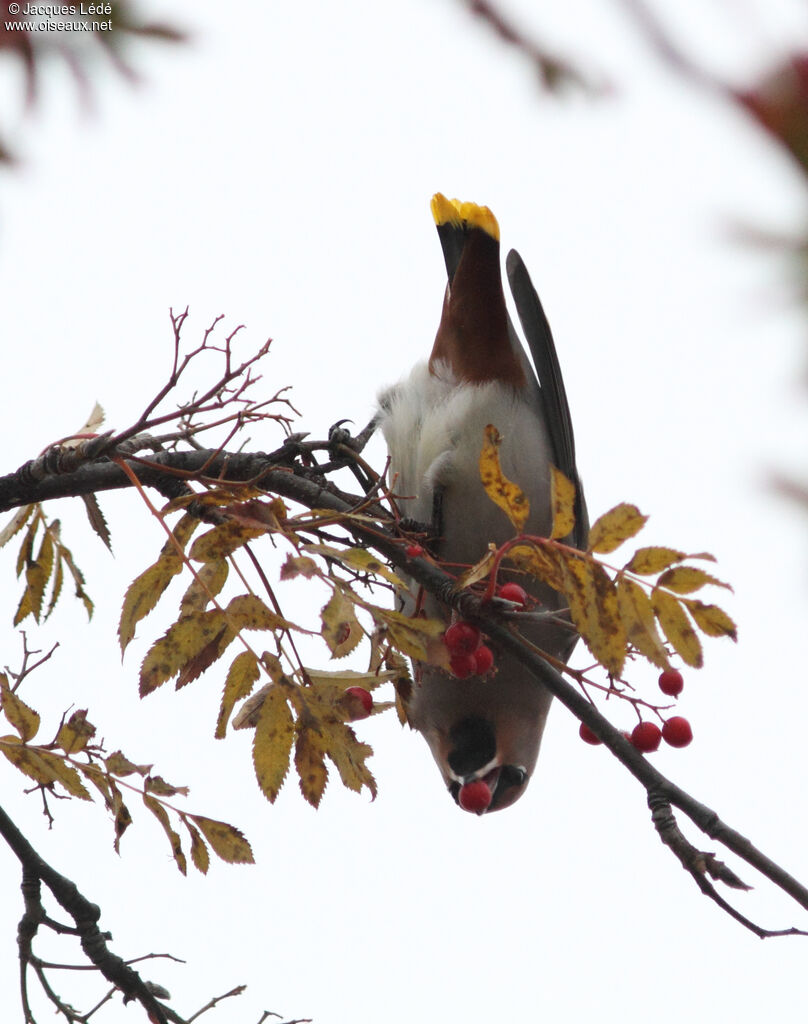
475	797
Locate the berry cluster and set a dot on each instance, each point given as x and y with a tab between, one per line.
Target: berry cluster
646	736
468	655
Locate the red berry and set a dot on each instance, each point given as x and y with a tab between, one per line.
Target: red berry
483	660
359	702
414	551
512	592
462	638
646	737
671	682
463	665
588	736
475	797
677	732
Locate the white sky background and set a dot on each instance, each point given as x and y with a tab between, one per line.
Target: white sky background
279	170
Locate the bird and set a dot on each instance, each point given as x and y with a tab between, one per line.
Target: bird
483	729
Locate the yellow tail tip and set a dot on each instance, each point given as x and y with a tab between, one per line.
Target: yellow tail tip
452	211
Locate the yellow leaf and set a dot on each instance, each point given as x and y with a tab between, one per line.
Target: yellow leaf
249	612
684	579
540	561
187	647
356	558
477	572
349	756
310	765
593	605
637	615
200	857
15	524
26	552
160	813
341	629
711	619
65	774
75	733
119	764
649	561
147	589
241	678
417	638
223	540
209	581
676	627
272	745
615	526
157	784
225	840
502	491
27	760
563	499
24	719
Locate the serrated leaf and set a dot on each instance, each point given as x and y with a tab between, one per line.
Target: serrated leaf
711	620
637	615
200	858
78	579
241	678
272	744
341	630
417	638
348	755
96	518
202	636
502	491
157	785
15	524
310	765
223	540
676	627
24	719
75	733
649	561
26	552
56	588
540	561
356	558
209	581
160	813
684	579
225	840
65	774
562	491
299	565
28	760
614	527
147	589
593	605
119	764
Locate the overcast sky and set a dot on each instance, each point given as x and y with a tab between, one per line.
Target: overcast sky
278	170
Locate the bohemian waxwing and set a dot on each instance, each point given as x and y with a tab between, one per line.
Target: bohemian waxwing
482	727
